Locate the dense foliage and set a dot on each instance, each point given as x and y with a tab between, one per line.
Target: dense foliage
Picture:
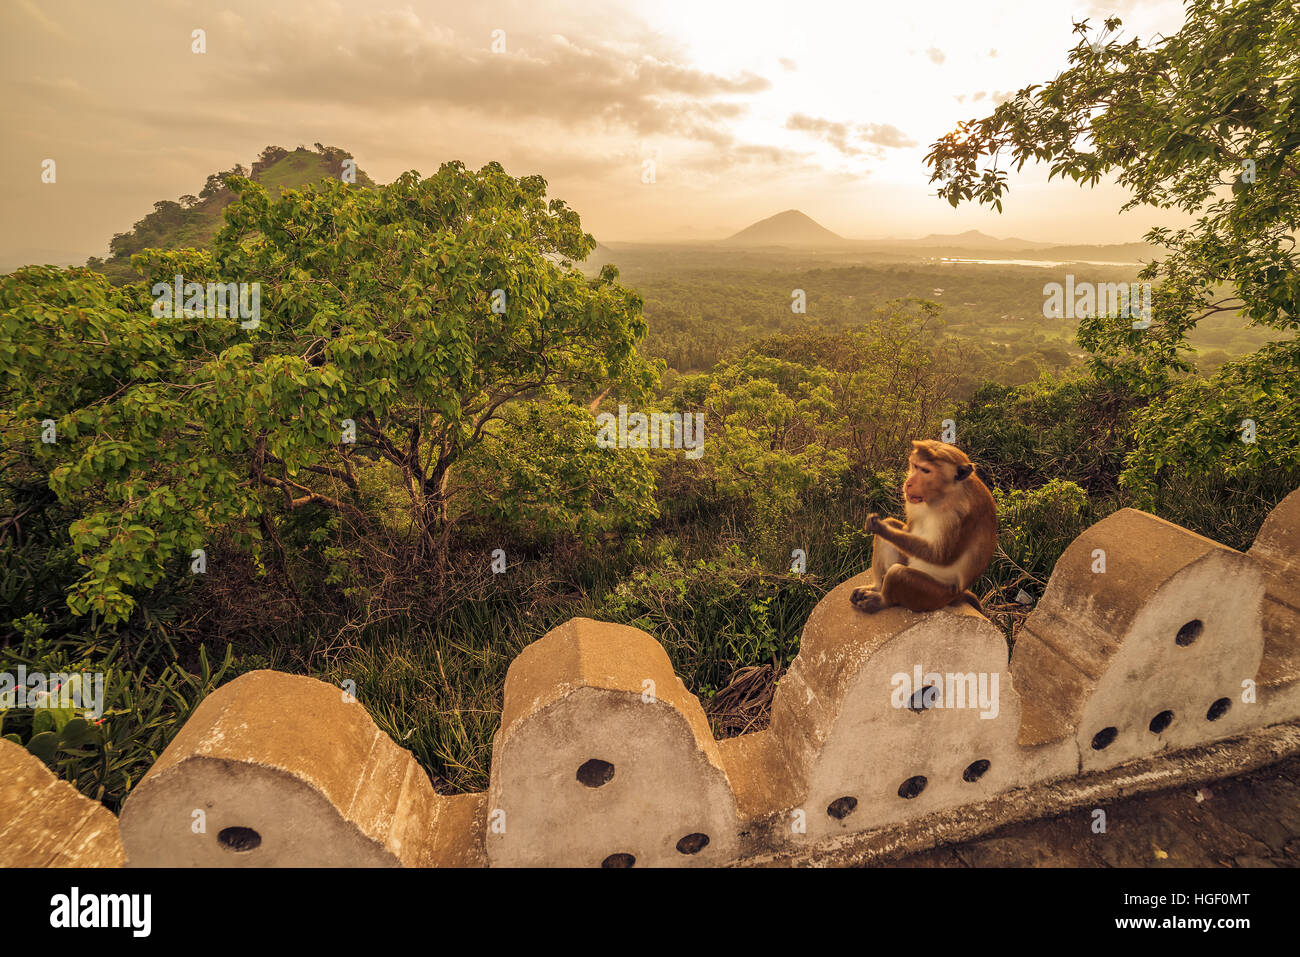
379	344
1204	121
392	475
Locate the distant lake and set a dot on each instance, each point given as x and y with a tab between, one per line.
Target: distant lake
1045	263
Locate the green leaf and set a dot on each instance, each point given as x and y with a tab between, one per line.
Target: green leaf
42	720
76	732
43	745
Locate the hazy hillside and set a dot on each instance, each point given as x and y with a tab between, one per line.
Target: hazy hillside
1113	252
971	239
193	220
790	228
974	243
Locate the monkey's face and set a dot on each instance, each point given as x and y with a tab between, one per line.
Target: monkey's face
927	479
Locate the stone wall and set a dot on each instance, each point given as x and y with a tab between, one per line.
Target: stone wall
1154	655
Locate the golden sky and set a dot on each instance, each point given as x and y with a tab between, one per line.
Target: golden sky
746	108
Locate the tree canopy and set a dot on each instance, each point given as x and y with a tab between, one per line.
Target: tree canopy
398	328
1206	121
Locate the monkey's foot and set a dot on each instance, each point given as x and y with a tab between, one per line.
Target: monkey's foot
867	599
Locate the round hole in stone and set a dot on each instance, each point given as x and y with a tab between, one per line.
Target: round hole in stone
618	860
1218	709
693	843
975	771
841	808
1189	632
1161	721
595	772
239	839
912	787
920	700
1104	738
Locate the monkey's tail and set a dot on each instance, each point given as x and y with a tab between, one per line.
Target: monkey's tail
969	596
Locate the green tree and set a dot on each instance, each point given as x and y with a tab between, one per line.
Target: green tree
1206	121
539	472
769	429
410	317
889	379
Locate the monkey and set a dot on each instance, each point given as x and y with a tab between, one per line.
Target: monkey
948	540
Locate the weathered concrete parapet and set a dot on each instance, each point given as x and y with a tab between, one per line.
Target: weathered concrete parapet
46	822
866	745
1129	673
1142	641
604	758
1277	551
284	770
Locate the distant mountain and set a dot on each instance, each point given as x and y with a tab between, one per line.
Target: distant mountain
974	239
1111	252
793	228
790	228
193	221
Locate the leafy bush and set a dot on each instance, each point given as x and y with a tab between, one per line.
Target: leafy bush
1073	427
716	615
1036	525
1202	120
395	325
144	707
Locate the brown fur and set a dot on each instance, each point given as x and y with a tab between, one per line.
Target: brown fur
947	542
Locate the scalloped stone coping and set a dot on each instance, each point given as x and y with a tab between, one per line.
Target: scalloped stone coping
1156	657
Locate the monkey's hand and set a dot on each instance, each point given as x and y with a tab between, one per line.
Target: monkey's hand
874	523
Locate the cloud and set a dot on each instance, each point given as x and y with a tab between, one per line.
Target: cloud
714	167
837	134
605	101
61	93
53	26
936	55
883	134
394	60
842	135
606	166
996	97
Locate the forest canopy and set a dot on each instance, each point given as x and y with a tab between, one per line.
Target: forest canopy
388	472
1206	121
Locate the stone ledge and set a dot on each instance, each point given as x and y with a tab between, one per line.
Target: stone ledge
276	770
1211	762
46	822
1176	664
